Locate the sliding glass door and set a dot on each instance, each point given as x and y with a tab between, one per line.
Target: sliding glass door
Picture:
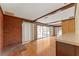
43	31
58	31
39	31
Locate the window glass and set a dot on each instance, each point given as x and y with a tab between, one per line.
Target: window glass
43	31
58	31
39	31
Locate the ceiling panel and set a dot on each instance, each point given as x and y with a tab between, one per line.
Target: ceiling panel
62	15
56	23
30	11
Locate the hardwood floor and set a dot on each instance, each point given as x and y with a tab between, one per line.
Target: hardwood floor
40	47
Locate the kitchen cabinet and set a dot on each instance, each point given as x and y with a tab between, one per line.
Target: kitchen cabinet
68	26
63	49
77	51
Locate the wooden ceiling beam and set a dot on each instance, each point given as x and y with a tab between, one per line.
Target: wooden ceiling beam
60	9
62	20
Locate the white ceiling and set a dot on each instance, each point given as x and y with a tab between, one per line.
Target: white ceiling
56	23
32	11
63	15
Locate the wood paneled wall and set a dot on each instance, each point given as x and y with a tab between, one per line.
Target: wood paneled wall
12	31
1	30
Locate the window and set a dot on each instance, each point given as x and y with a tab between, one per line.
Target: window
58	31
39	31
43	31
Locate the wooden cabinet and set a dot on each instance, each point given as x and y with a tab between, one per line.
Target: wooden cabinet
77	51
71	26
64	27
68	26
63	49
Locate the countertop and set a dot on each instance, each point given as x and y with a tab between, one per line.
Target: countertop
69	38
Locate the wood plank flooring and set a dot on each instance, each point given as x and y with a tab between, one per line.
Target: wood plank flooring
40	47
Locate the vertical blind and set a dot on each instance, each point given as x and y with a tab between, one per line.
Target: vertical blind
58	31
43	31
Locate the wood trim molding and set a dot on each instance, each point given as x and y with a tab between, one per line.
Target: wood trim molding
53	12
69	19
1	10
16	17
42	24
57	26
20	18
54	22
61	20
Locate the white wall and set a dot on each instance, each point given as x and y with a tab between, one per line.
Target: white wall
26	32
51	30
77	20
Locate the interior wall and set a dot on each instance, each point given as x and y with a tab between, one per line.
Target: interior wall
77	20
1	30
12	31
26	32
